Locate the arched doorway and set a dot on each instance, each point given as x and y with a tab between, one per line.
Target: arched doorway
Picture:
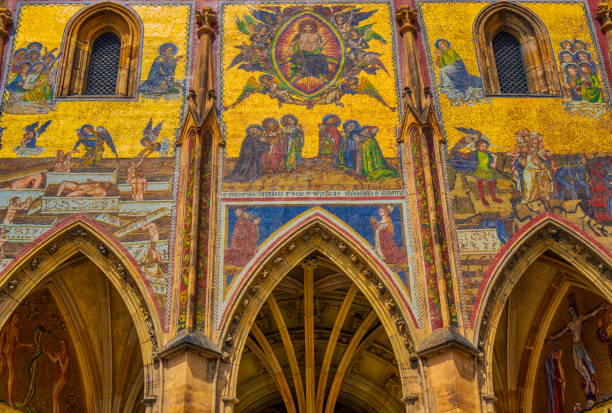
317	345
546	326
317	291
77	334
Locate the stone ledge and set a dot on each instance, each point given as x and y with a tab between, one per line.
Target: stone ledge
441	340
193	341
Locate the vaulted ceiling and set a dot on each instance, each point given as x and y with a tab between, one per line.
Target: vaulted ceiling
318	346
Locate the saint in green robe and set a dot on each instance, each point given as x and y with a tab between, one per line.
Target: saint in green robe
40	92
374	165
591	89
448	57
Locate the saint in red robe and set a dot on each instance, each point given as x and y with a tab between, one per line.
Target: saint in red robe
385	244
243	244
329	137
274	159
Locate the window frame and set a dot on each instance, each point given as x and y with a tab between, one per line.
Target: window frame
536	49
522	61
81	32
87	79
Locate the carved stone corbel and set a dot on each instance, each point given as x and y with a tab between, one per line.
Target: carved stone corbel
5	21
228	404
410	399
604	15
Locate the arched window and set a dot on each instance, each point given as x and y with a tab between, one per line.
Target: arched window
101	52
510	65
513	48
104	65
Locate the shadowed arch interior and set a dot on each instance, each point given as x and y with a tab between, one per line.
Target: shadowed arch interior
531	340
70	345
321	346
75	239
317	239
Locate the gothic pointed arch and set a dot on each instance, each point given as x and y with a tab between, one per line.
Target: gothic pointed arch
520	23
80	36
316	237
287	234
582	263
78	237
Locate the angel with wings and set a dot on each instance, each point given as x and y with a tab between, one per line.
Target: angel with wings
150	142
94	140
345	19
267	85
368	62
28	146
252	58
32	132
352	85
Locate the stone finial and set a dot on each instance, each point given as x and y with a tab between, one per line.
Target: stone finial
406	17
5	20
206	19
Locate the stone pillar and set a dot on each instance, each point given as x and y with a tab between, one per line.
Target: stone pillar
604	15
411	68
190	359
450	363
190	362
5	20
197	161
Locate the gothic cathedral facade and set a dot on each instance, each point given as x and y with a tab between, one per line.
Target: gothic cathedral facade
306	206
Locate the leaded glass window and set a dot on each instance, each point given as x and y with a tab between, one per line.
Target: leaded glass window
510	65
104	65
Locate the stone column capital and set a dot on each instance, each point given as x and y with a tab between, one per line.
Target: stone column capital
309	263
409	399
205	19
231	400
406	19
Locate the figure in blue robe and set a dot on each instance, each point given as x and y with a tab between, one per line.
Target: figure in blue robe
15	84
94	145
349	144
160	80
454	77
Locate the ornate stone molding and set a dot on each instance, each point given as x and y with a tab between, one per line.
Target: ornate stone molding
80	34
48	255
549	233
406	19
318	234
